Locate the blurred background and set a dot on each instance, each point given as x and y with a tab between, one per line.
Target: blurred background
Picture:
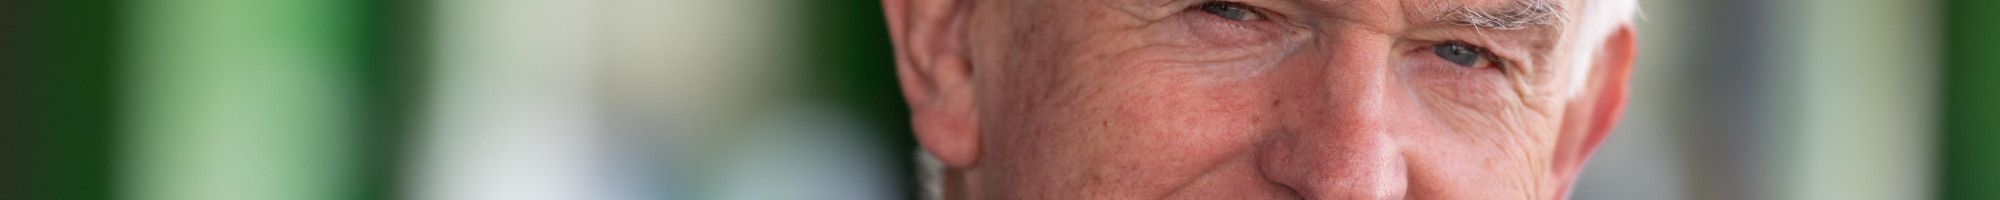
796	99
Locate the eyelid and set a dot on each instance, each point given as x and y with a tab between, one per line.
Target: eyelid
1277	13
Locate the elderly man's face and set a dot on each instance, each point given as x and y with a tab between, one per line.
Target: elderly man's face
1258	99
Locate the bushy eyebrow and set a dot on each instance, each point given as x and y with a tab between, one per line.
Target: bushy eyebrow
1516	15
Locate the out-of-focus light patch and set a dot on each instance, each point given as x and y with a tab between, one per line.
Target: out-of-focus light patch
692	68
635	99
514	109
240	100
1746	100
1866	124
704	102
806	152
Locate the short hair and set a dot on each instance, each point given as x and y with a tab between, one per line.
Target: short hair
1599	20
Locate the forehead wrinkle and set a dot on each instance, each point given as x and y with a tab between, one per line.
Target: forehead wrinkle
1511	15
1375	15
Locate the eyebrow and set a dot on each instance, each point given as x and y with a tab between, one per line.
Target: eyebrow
1518	14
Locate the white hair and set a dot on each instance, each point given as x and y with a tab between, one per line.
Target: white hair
1600	18
930	175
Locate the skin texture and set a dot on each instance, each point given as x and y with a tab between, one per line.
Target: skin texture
1314	99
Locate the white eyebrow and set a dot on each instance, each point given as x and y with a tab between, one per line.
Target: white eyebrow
1522	14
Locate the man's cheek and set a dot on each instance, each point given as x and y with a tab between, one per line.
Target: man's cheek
1497	129
1179	100
1179	129
1513	129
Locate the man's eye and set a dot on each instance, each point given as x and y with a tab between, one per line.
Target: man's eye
1465	55
1232	10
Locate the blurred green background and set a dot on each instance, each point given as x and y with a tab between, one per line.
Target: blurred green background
796	99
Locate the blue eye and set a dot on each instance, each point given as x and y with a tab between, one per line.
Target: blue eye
1459	53
1231	10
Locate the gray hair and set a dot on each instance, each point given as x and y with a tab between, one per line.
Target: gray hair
930	175
1522	14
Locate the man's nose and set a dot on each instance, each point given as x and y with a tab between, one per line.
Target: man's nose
1338	136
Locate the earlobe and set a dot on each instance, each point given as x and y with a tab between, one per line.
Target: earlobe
948	130
935	76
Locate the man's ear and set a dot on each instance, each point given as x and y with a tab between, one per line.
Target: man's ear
1597	109
936	77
